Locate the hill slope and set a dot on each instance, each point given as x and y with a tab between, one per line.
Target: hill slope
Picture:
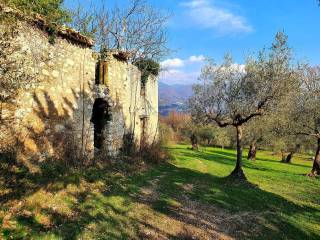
173	97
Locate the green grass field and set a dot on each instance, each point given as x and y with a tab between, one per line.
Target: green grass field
187	197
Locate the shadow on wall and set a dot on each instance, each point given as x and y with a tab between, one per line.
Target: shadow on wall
64	130
67	129
54	129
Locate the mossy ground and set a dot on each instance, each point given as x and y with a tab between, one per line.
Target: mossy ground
190	196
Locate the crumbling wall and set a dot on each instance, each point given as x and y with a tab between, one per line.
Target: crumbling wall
51	117
150	109
131	103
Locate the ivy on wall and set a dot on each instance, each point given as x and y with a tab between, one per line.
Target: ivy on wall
51	10
147	67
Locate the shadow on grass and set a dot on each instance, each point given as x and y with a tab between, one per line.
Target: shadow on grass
93	213
236	198
18	182
228	158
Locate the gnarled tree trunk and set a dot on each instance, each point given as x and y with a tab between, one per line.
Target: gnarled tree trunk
238	172
253	150
316	163
283	156
194	142
288	159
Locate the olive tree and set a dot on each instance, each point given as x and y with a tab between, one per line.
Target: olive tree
206	134
304	116
230	95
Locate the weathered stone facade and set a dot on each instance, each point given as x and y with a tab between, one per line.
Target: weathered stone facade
51	116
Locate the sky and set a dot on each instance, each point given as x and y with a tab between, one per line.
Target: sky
200	29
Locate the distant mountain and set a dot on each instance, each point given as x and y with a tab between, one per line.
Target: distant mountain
173	97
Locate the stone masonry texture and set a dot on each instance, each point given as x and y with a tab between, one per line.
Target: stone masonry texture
50	116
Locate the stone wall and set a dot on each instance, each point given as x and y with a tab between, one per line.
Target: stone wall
52	113
50	117
130	102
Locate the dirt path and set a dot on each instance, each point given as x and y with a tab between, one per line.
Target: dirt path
188	219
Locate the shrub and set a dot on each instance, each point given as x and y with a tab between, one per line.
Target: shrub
153	153
147	67
52	10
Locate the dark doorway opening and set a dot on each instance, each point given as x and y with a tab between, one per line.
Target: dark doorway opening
100	117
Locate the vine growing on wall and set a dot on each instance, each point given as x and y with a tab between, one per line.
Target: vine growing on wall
147	67
49	10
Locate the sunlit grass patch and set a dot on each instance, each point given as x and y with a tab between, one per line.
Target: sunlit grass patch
190	195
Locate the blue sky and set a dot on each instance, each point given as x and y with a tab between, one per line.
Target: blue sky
210	28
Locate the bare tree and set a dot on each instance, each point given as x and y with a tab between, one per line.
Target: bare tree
138	29
231	96
83	20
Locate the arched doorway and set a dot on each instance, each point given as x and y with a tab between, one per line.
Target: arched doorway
101	114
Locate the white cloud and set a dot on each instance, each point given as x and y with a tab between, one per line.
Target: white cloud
199	58
172	63
175	63
182	71
208	15
179	77
187	71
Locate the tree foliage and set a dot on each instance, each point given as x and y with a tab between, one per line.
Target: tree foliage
230	95
147	67
303	115
206	134
52	10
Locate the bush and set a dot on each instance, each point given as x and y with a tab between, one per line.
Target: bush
52	10
147	67
154	153
129	147
167	134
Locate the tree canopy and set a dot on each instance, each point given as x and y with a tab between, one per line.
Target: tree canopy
231	94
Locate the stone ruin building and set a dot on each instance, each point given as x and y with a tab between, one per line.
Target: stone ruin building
77	102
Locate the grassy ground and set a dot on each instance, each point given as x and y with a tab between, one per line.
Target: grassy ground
187	197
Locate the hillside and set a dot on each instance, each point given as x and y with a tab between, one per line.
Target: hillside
173	97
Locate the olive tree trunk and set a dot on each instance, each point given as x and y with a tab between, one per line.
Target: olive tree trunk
316	163
238	172
253	150
289	158
283	155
